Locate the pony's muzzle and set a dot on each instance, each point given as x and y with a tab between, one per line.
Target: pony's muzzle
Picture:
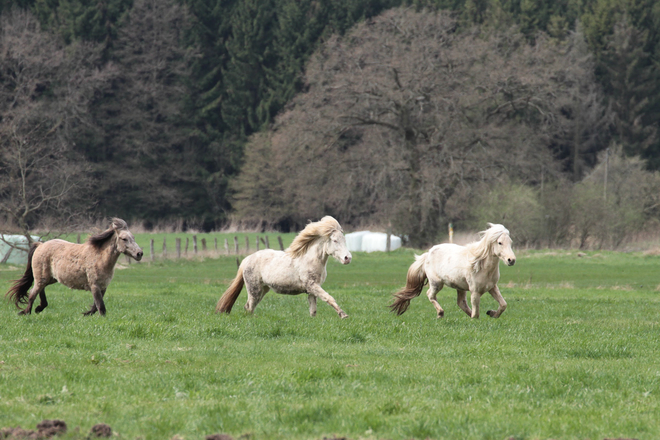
510	261
139	255
346	259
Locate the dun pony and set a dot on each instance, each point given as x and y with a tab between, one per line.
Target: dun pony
473	268
301	268
88	266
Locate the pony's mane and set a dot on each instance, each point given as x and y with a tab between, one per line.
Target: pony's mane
312	232
482	249
101	238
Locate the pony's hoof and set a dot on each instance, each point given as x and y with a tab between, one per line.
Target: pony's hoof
491	313
343	315
441	314
23	312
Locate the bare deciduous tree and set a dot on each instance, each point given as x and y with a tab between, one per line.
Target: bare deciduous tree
405	117
44	92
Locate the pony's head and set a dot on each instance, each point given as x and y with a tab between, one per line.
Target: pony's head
336	246
494	241
329	232
125	241
500	241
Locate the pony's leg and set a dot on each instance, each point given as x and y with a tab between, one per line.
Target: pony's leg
43	302
434	288
255	294
311	299
98	305
461	300
475	298
36	290
495	291
92	308
318	291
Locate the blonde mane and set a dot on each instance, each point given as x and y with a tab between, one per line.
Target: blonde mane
482	249
313	232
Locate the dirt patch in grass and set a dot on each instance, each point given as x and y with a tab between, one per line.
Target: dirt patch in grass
218	437
17	432
45	429
50	428
100	430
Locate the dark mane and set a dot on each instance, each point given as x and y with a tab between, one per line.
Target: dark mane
99	239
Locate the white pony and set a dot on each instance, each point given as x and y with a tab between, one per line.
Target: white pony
474	267
298	269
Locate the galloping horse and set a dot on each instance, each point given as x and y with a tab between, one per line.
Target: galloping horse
474	267
88	266
299	269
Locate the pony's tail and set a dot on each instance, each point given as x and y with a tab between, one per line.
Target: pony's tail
227	300
414	284
18	293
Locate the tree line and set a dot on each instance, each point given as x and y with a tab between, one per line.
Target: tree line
211	111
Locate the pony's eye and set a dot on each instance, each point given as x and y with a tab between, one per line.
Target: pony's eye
500	243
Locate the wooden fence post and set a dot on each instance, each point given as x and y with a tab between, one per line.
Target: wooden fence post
195	244
257	242
203	244
187	244
267	243
151	249
388	242
279	240
226	246
216	243
164	247
247	244
236	245
178	248
78	239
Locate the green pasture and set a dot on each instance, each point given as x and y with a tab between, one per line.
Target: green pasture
575	356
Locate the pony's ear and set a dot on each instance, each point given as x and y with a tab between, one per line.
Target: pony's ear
490	225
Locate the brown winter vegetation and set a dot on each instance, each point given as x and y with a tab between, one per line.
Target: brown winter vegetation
36	133
407	120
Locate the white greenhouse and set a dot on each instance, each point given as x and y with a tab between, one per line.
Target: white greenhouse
367	241
14	249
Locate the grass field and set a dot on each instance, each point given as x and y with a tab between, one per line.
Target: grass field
575	355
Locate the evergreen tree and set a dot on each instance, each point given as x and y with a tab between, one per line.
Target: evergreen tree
89	20
250	55
633	83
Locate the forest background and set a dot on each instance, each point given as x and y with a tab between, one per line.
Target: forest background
265	114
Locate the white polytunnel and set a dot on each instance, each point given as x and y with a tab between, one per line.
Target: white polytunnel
14	249
367	241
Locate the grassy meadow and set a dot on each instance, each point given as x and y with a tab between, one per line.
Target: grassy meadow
576	355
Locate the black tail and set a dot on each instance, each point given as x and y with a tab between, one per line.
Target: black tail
19	291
